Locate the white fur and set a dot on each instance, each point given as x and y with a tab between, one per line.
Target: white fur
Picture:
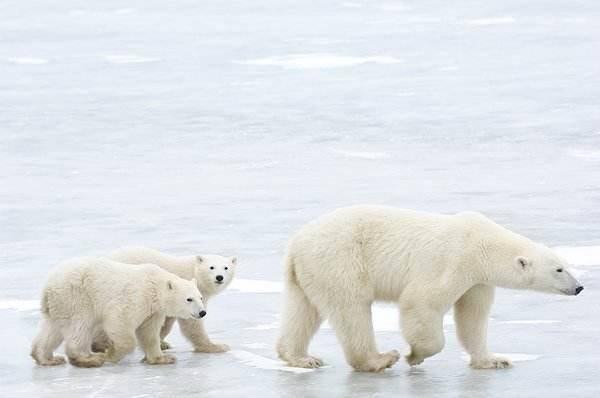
204	268
339	264
88	296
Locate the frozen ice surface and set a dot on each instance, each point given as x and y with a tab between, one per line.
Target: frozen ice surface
222	126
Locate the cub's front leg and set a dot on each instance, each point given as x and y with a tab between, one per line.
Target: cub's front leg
164	332
193	330
148	335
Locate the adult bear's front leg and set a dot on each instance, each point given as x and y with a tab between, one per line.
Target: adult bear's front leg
353	325
423	330
471	314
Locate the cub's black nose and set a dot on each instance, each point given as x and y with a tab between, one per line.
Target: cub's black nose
202	314
220	278
578	290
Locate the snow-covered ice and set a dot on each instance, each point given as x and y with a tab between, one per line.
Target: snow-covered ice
318	61
223	126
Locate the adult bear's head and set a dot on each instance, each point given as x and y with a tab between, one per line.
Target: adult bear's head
543	270
514	261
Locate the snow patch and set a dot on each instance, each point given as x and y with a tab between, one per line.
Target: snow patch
129	59
19	305
491	21
122	11
580	255
395	7
318	61
362	155
585	154
27	61
265	326
351	5
255	286
530	322
257	361
513	356
257	346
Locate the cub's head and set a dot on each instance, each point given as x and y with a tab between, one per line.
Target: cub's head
543	270
185	300
214	272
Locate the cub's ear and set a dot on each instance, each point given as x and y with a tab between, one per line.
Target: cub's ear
233	260
199	259
170	285
523	262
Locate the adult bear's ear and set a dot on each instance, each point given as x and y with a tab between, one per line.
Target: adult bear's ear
523	263
170	285
233	260
200	259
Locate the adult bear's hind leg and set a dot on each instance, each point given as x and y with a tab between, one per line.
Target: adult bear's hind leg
471	314
299	322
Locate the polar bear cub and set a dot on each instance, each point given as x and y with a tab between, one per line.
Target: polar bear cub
213	273
341	263
88	296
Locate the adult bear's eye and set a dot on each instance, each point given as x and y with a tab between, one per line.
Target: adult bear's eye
189	300
226	268
559	270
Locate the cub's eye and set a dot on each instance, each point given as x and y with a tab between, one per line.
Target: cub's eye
226	268
212	267
559	270
189	300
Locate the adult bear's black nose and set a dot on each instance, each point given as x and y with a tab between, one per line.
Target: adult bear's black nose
220	278
202	314
578	290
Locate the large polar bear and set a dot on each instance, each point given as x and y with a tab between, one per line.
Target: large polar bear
88	296
213	274
339	264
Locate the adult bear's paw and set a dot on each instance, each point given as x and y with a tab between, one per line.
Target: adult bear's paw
492	362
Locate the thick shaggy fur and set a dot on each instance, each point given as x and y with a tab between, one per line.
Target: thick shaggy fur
89	296
339	264
205	268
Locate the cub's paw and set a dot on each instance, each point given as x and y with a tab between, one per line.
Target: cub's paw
493	362
100	346
213	348
165	359
390	358
306	362
54	361
165	345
